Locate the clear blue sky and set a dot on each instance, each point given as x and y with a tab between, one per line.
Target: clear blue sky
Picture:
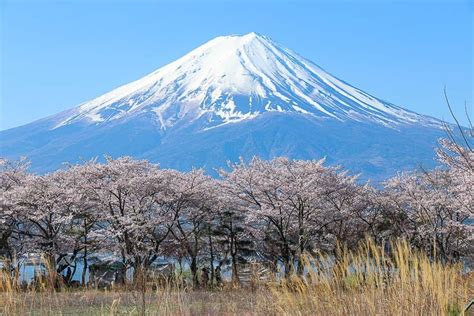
57	54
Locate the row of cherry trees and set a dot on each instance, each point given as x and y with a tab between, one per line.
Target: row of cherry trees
273	211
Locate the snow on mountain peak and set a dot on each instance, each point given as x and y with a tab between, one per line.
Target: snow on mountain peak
237	77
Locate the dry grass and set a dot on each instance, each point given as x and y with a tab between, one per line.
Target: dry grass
368	283
361	283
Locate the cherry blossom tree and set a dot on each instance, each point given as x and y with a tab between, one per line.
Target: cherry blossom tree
431	213
350	211
13	174
435	209
43	207
125	193
234	238
192	202
85	227
294	200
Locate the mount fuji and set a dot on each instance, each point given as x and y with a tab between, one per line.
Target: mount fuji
235	96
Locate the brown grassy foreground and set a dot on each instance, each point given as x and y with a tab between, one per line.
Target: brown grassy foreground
361	283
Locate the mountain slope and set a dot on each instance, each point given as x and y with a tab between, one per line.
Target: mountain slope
233	96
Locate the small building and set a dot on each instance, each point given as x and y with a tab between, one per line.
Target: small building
161	273
253	273
107	273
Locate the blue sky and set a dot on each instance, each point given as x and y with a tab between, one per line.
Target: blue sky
57	54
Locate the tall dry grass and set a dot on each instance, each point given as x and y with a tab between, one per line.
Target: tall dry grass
364	282
368	282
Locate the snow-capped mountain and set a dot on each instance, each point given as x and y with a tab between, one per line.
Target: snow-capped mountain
234	78
233	96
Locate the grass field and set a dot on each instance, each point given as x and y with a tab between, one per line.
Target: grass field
364	282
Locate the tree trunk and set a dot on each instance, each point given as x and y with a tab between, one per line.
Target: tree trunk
194	271
287	264
139	278
287	258
84	259
212	260
138	272
84	268
233	254
300	253
301	243
52	275
235	270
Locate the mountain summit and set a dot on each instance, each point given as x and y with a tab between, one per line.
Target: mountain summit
234	78
238	95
